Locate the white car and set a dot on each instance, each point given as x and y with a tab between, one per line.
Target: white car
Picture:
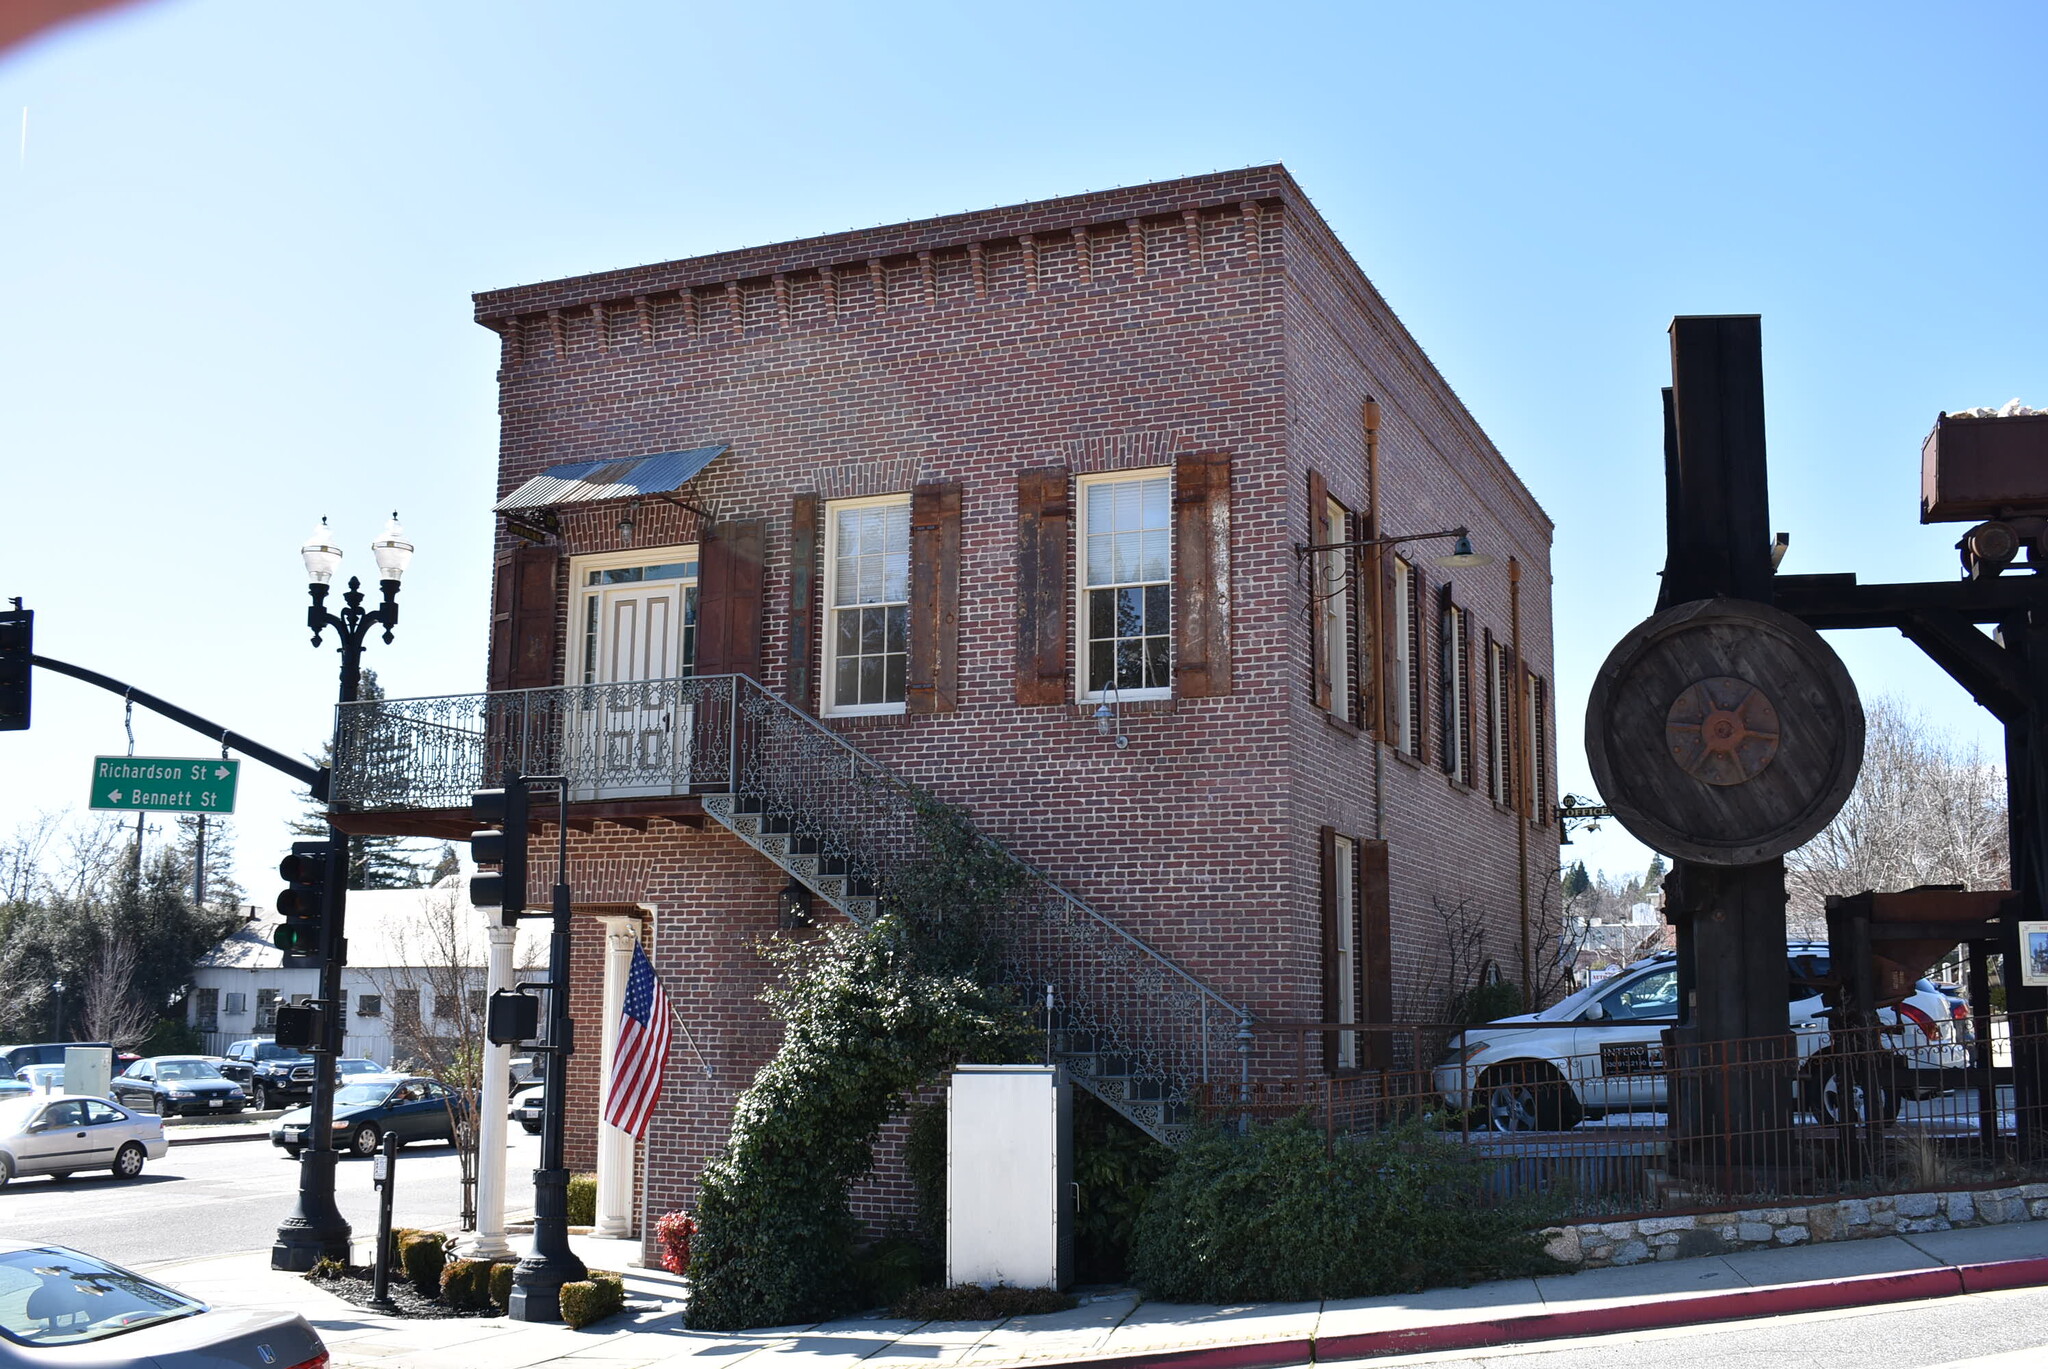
66	1310
70	1132
526	1108
1586	1057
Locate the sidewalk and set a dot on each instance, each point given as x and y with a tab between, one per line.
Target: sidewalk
1116	1327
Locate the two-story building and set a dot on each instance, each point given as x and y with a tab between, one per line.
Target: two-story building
1076	514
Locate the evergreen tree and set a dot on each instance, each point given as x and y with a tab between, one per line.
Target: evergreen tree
448	864
1653	879
373	862
222	889
1576	880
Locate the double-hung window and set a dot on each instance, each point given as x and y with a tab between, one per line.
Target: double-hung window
867	589
1126	608
1335	617
1455	698
1500	712
1538	725
1405	676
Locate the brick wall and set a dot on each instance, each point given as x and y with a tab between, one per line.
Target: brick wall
1101	332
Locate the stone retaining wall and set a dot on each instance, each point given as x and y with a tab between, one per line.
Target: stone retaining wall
1595	1245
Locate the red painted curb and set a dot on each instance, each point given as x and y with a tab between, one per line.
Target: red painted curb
1685	1309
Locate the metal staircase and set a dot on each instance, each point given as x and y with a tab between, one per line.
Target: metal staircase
1128	1024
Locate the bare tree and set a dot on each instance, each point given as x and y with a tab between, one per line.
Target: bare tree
437	1020
1927	809
109	1010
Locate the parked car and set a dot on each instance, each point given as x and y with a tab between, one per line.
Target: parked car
366	1107
61	1135
1549	1070
176	1084
271	1068
345	1068
238	1070
13	1059
526	1108
13	1088
41	1078
61	1307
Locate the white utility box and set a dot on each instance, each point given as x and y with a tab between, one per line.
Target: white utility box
88	1069
1009	1177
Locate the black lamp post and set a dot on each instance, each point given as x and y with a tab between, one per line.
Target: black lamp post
316	1230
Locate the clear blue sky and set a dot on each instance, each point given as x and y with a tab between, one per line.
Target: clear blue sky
237	250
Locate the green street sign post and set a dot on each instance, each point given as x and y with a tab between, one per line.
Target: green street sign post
164	784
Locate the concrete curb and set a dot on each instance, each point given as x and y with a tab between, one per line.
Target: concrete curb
1863	1290
175	1139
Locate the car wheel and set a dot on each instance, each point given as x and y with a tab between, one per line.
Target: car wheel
6	1170
60	1175
1834	1096
364	1140
532	1128
290	1152
261	1097
1529	1097
128	1160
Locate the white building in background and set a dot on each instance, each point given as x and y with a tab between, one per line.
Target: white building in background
400	942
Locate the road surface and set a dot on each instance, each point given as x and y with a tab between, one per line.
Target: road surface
228	1197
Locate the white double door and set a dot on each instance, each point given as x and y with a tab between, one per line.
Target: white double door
633	717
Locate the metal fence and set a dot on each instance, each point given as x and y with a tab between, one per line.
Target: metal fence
1622	1125
638	739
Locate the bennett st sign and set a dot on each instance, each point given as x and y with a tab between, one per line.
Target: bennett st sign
164	784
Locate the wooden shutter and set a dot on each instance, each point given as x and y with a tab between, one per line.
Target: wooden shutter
1045	511
1375	954
1201	575
804	610
729	598
1318	607
934	665
1388	598
525	619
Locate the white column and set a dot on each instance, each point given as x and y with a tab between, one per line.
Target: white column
614	1147
488	1243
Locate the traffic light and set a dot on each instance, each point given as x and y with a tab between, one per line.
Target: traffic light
17	644
303	903
504	847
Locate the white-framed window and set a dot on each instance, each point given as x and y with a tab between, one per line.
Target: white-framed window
1500	710
1344	901
1126	585
1454	683
635	615
1335	621
1405	684
867	605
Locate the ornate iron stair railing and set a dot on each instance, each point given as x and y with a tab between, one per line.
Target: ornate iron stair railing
1129	1024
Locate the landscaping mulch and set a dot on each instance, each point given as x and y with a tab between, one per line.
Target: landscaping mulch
356	1285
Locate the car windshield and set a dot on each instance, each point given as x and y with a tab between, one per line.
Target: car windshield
59	1297
14	1113
357	1067
359	1095
186	1069
270	1050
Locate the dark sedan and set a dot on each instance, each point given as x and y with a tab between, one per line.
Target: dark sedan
178	1084
411	1108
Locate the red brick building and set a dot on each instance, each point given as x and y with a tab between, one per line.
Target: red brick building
966	500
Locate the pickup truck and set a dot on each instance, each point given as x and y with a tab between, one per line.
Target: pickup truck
271	1069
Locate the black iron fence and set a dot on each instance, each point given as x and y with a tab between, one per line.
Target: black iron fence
1609	1118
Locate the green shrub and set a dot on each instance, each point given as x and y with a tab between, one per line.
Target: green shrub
1486	1002
593	1299
972	1302
500	1284
887	1270
868	1015
169	1036
582	1200
467	1284
924	1156
327	1267
1270	1215
422	1255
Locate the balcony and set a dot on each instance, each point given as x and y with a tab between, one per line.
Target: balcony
631	752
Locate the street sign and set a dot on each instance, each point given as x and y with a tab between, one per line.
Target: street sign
164	784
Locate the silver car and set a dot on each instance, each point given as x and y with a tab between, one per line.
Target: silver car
63	1134
59	1307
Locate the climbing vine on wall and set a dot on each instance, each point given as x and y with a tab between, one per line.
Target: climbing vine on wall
868	1014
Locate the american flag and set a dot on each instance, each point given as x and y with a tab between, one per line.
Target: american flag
642	1055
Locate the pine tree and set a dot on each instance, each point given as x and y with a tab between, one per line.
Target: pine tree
373	862
222	889
1653	879
448	864
1576	880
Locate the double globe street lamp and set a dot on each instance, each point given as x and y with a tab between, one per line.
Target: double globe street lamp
315	1229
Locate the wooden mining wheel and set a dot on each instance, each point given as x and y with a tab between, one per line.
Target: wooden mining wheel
1724	731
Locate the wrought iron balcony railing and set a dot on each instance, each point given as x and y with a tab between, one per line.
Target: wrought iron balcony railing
644	738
